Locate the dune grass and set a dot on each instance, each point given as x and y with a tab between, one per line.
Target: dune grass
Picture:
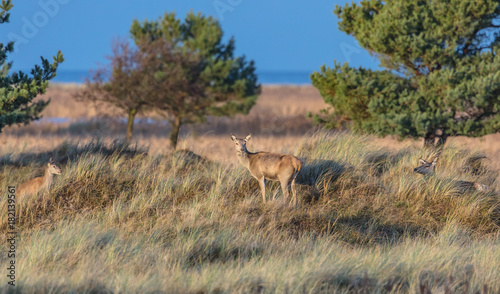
121	220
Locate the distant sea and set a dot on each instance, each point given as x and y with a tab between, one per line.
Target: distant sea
264	77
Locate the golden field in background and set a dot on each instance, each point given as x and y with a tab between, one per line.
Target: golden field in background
278	121
143	218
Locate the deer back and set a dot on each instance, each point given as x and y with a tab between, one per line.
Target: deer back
31	186
271	165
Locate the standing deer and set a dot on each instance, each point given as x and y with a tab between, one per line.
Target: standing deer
269	166
33	186
427	168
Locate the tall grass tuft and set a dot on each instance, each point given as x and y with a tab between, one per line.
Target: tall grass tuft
120	220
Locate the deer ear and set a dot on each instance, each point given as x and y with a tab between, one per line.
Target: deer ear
248	137
51	161
422	161
233	137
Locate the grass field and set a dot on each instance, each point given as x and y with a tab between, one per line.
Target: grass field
145	219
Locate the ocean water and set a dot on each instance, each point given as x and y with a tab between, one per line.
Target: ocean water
264	77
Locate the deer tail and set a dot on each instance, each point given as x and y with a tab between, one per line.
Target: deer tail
297	164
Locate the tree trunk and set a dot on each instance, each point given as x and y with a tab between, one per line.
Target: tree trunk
130	123
174	135
429	139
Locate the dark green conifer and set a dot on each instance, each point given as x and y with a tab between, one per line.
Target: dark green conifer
195	73
18	90
442	74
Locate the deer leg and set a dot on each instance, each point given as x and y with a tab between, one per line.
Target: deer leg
294	191
262	184
284	187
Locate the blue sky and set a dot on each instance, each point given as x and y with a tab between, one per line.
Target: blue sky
285	35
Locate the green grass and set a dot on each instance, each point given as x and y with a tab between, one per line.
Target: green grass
120	220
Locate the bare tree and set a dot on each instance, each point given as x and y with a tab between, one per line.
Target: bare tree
121	83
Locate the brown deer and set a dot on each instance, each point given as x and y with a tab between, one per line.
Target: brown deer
33	186
269	166
427	168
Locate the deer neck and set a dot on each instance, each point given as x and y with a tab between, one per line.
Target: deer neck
48	177
430	173
244	157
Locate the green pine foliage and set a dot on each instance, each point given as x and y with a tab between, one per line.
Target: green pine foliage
18	90
197	74
442	73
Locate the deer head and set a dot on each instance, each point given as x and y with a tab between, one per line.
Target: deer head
426	168
241	144
53	168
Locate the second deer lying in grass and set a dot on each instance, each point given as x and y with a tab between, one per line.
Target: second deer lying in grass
35	185
427	168
269	166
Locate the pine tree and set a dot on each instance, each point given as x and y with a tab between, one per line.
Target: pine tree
18	90
195	73
442	74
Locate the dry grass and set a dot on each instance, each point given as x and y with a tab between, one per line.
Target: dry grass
144	219
278	120
213	146
122	220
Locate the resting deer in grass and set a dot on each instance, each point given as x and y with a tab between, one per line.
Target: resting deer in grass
269	166
33	186
427	168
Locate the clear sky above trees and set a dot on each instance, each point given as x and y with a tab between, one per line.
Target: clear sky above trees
278	35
